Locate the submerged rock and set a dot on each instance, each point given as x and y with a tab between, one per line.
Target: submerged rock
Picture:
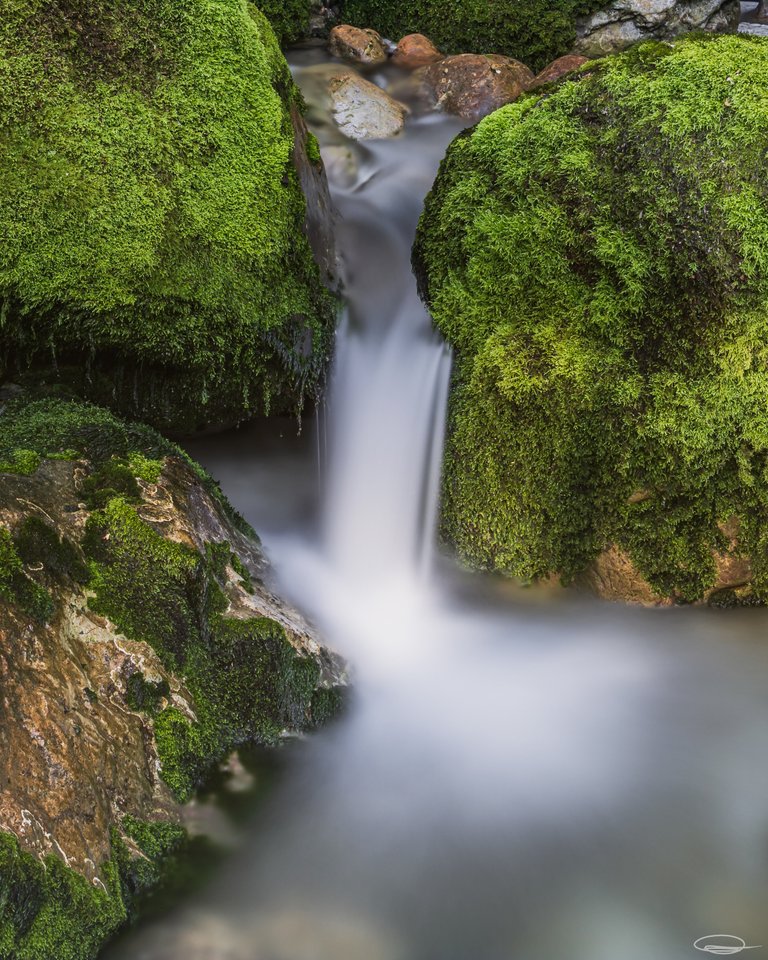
140	643
154	254
596	257
362	110
472	86
360	46
415	51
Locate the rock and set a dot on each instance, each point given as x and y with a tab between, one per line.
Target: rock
200	217
342	165
415	51
624	22
360	46
362	110
472	85
557	69
597	407
140	642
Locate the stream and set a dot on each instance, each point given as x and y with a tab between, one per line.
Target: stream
522	774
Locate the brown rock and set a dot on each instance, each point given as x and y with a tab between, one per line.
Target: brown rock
472	85
557	69
360	46
415	51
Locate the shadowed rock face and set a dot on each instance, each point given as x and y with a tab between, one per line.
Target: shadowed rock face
624	22
75	756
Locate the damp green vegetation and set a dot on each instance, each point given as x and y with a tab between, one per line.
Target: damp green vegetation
534	31
247	681
119	452
152	252
598	257
48	910
289	18
16	587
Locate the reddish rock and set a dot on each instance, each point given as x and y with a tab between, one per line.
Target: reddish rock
472	85
360	46
557	69
415	51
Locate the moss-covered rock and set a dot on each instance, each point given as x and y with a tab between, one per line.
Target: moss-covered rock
534	31
140	644
598	257
152	224
290	19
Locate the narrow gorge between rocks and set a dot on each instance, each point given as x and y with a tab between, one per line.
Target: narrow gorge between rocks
521	774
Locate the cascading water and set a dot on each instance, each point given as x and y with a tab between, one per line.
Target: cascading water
518	778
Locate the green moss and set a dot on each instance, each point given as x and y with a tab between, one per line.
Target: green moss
21	461
48	910
16	587
534	31
145	695
58	428
598	257
289	18
39	545
246	679
154	256
313	149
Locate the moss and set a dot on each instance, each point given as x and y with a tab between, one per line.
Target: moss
39	545
598	259
246	679
289	18
534	31
48	910
16	587
145	695
154	256
21	461
313	150
63	428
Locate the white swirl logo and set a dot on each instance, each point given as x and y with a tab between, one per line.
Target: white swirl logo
723	944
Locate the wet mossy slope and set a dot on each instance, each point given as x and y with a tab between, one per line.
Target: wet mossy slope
598	259
139	646
152	250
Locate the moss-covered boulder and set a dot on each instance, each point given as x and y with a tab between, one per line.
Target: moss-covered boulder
152	224
598	257
140	643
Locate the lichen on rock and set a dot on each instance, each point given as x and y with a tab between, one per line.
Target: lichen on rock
140	643
153	248
597	258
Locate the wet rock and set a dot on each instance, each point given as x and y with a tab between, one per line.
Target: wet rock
113	567
341	164
472	86
557	69
359	46
624	22
415	51
362	110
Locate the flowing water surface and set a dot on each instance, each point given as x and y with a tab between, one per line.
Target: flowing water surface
521	775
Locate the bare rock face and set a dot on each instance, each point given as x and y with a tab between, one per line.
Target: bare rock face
415	51
362	110
359	46
557	69
473	85
624	22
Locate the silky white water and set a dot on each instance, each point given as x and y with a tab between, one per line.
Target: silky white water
521	775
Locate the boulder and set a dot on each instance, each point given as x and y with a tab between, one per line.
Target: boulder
362	110
415	51
594	257
622	23
359	46
474	85
155	221
558	69
140	643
